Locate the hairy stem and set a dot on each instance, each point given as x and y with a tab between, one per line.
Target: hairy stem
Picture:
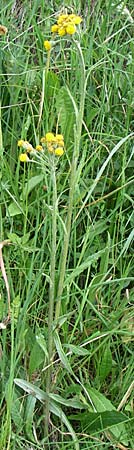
77	137
51	294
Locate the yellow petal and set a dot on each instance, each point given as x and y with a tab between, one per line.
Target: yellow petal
47	45
62	18
20	143
43	140
70	29
77	20
54	28
49	137
23	157
61	31
59	151
39	148
59	137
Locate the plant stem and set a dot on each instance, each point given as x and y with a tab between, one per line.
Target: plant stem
1	140
77	137
51	293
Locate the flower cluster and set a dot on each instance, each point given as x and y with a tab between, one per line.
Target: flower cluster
53	143
66	24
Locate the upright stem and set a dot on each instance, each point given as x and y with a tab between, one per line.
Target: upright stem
1	140
77	137
51	293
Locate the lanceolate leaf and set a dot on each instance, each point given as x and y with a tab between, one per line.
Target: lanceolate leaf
54	408
94	422
102	404
65	110
32	183
62	355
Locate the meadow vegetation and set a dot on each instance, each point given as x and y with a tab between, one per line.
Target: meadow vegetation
66	225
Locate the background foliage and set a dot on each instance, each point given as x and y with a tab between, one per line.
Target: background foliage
97	322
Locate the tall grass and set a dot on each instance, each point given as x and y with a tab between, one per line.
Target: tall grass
66	354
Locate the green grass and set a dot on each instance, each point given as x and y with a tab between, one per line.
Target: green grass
92	336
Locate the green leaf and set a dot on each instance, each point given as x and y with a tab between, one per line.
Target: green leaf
31	184
105	365
17	411
87	263
66	115
98	422
29	412
53	84
31	389
61	353
42	343
14	238
79	351
70	402
92	112
102	169
59	413
101	404
36	358
54	408
14	209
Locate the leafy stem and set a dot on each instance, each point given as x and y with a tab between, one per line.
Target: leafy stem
73	173
51	292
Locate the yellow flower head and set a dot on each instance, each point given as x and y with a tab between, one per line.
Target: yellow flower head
20	143
62	18
43	140
39	148
49	137
59	151
23	157
59	140
61	31
54	28
71	28
25	145
50	147
47	45
75	19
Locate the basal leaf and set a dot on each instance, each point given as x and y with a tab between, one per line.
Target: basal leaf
102	404
61	353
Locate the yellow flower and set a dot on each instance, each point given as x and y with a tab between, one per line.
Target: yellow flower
47	45
23	157
20	143
60	140
59	137
49	137
3	30
43	140
59	151
50	147
71	29
39	148
77	20
61	31
62	18
54	28
28	146
25	145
